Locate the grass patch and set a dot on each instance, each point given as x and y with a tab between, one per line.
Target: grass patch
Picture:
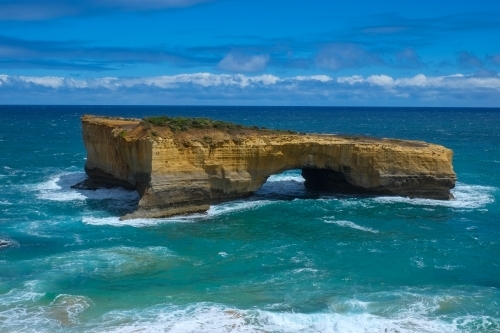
184	123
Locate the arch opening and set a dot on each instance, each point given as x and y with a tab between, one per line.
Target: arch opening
328	181
288	184
307	182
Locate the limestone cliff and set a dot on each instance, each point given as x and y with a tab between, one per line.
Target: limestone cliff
184	171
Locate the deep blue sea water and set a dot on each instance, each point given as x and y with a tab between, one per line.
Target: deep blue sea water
284	260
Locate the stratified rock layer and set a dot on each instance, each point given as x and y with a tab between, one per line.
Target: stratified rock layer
185	171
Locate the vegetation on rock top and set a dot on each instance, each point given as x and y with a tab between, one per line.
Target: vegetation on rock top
185	123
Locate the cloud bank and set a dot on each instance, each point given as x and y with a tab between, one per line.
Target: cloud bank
207	88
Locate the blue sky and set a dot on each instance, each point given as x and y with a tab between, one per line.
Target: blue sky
251	52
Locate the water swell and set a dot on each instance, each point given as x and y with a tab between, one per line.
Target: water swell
103	262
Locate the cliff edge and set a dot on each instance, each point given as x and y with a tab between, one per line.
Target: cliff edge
183	165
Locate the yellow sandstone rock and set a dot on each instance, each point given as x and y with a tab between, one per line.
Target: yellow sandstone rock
186	171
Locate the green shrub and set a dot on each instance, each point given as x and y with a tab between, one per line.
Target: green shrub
184	123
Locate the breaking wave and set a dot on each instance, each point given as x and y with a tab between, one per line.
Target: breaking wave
213	211
349	224
58	188
466	197
350	316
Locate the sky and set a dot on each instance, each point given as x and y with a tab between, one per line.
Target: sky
251	52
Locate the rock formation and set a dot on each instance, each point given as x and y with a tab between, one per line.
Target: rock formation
4	243
180	171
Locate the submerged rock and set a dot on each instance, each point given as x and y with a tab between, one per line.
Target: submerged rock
183	165
4	243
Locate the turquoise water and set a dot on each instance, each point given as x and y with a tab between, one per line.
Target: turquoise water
284	260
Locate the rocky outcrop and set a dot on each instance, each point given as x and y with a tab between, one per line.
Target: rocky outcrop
5	244
185	171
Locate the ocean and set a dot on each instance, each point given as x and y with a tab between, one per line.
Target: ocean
284	260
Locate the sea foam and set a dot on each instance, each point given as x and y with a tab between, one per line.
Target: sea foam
286	176
58	188
213	211
63	311
349	224
283	185
352	318
466	197
4	243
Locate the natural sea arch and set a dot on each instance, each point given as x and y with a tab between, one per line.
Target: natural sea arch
186	171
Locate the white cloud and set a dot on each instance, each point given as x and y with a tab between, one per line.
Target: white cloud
163	82
237	62
452	82
419	80
198	88
381	80
321	78
46	81
201	79
455	81
350	79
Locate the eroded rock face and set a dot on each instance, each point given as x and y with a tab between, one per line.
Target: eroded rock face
185	171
